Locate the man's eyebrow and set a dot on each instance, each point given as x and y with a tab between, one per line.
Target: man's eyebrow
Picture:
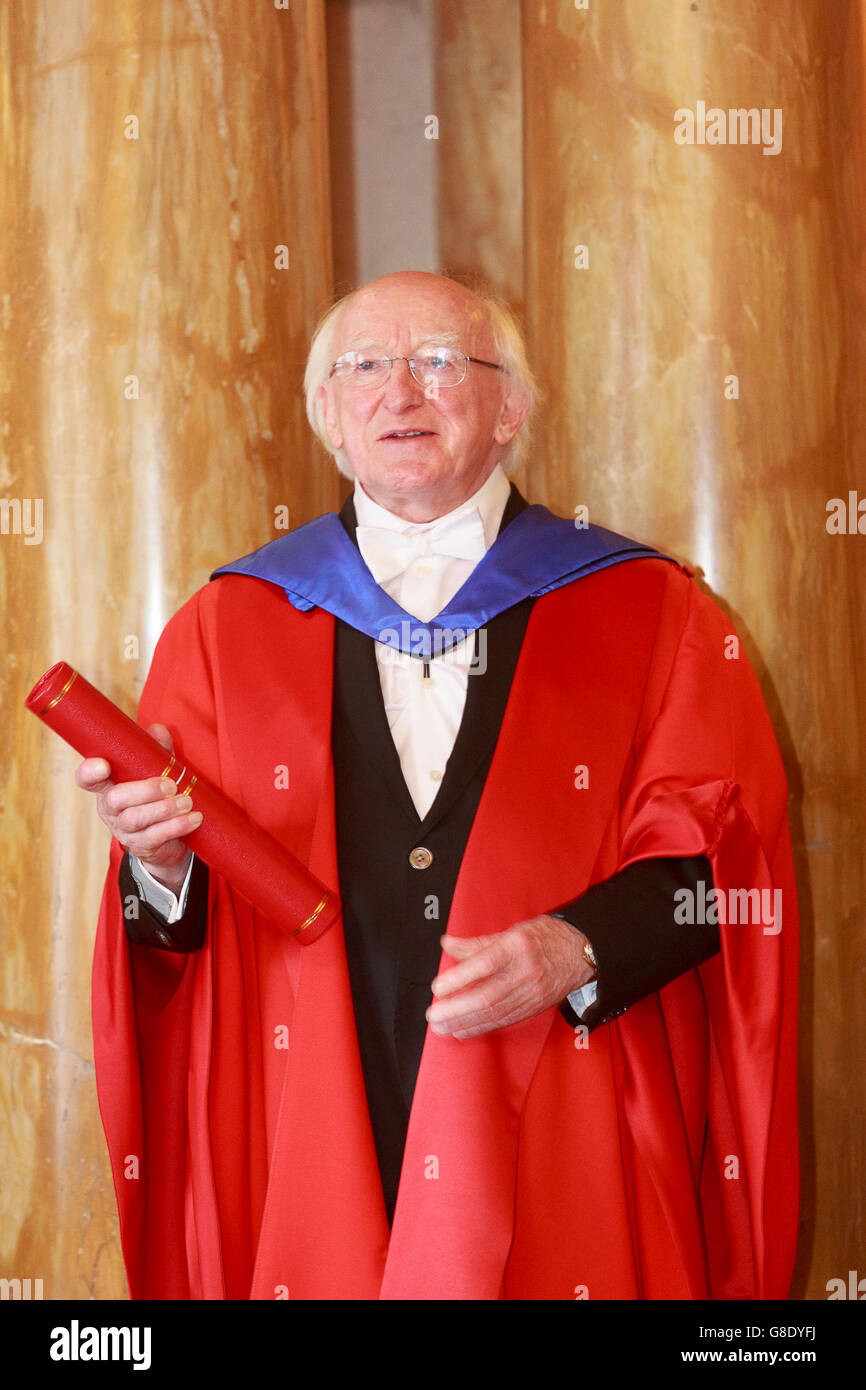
449	335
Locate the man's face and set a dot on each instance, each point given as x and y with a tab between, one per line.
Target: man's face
463	429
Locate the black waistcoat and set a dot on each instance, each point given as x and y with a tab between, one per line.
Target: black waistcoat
393	912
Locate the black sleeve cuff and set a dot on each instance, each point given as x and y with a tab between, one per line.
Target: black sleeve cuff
640	946
147	927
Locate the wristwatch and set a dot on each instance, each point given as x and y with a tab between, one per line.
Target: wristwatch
588	952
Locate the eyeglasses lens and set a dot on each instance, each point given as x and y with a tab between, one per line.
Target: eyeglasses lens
369	367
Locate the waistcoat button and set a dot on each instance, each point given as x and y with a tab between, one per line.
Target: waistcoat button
420	858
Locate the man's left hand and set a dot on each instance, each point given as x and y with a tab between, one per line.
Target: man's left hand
507	977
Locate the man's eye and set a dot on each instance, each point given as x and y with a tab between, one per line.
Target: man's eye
436	360
366	364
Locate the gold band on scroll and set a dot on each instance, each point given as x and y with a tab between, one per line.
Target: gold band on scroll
312	917
58	698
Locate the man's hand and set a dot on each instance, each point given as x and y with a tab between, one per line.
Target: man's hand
507	977
147	817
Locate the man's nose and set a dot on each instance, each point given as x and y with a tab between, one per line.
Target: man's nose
401	388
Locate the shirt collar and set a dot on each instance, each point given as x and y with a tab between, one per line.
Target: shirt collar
489	501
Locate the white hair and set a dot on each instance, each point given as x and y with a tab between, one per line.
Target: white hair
510	350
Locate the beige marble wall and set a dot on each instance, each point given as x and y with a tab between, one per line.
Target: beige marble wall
152	356
705	263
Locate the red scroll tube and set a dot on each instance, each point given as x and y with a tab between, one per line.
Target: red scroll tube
258	866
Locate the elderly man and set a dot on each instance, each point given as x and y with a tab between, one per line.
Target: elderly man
539	1056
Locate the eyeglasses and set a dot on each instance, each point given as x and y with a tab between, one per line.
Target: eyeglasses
432	367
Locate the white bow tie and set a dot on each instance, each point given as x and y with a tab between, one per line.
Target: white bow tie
389	553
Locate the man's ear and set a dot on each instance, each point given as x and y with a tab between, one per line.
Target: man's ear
329	413
512	414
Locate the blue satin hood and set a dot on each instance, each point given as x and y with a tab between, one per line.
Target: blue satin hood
319	566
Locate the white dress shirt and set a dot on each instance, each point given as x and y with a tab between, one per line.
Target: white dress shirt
424	701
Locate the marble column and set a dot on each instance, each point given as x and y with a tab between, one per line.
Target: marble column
164	252
696	314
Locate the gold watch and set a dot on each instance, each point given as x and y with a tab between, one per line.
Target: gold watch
589	955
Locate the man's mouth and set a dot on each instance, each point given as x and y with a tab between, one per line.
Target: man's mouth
405	434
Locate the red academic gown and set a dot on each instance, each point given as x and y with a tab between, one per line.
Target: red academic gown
655	1158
